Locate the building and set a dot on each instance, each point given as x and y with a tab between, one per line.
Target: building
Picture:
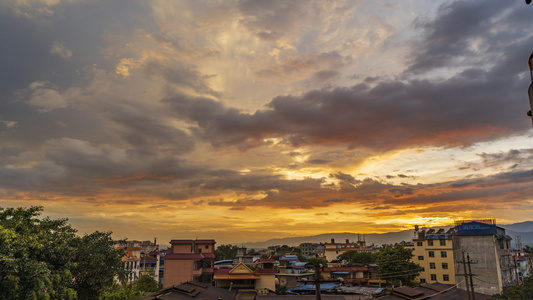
483	249
189	260
241	277
131	262
433	251
333	250
349	275
191	290
310	250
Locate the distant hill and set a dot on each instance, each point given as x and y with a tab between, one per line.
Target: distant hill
526	226
372	238
523	229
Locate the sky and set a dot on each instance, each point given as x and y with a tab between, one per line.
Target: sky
246	120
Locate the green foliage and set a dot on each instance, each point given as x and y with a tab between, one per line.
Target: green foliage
395	266
517	292
354	257
41	258
98	262
322	261
35	255
528	249
120	292
226	252
146	284
281	290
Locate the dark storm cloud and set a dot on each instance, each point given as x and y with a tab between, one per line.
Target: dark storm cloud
460	28
458	111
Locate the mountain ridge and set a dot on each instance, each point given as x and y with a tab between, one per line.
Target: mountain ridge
522	229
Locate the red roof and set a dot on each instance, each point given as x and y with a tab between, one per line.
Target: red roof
192	241
227	270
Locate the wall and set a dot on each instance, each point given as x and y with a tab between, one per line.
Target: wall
177	271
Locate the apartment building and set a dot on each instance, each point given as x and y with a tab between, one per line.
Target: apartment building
433	251
488	249
333	250
189	260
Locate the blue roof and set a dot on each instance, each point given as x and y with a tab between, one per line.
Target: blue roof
311	287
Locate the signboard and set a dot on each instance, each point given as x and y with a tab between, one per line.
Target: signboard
475	228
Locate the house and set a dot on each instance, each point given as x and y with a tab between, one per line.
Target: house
333	250
353	275
241	277
191	290
433	251
433	291
189	260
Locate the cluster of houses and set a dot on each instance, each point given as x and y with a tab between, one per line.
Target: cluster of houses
188	269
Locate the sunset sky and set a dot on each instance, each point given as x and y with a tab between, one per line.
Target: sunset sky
249	120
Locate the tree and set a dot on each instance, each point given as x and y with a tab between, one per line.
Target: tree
356	257
395	266
35	255
517	292
98	263
226	252
146	284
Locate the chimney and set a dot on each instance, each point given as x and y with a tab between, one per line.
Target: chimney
332	241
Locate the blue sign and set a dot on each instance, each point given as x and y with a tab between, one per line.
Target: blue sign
475	228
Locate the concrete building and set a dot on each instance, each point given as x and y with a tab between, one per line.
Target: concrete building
189	260
433	251
489	250
333	250
310	250
131	262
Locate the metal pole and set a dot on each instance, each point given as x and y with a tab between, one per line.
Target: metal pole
466	277
470	276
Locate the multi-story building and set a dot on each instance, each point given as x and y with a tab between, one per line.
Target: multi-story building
310	250
488	256
333	250
131	261
433	251
189	260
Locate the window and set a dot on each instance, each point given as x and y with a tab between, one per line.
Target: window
422	269
199	250
445	266
430	243
431	254
443	254
432	266
420	257
422	280
443	242
434	277
206	246
446	277
419	244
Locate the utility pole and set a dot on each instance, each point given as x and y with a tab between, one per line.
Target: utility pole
470	275
465	276
317	280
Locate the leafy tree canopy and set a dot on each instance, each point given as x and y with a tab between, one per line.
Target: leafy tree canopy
395	266
226	252
41	258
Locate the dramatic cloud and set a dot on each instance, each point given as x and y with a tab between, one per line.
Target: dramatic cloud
272	117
